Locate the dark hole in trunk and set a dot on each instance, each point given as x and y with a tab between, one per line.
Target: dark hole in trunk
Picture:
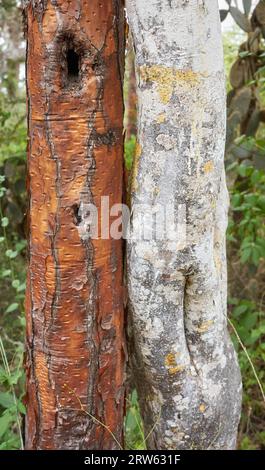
77	217
72	64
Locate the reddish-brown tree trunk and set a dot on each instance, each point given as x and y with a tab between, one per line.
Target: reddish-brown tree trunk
75	342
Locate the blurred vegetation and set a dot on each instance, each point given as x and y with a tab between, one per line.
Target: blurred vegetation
245	166
245	161
12	214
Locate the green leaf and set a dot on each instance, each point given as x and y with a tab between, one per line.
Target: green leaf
11	254
244	169
255	177
22	321
245	255
21	407
4	222
5	420
255	256
6	399
248	320
261	70
255	335
240	309
261	202
20	245
11	308
16	283
6	273
131	422
245	54
129	151
11	444
236	200
22	287
13	380
2	191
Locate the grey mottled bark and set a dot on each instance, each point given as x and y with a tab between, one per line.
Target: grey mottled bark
185	366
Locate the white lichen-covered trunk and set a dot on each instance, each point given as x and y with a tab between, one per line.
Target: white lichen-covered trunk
184	364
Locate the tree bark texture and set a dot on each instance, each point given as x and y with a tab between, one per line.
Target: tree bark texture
74	302
185	367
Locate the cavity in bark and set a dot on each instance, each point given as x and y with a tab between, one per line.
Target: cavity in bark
73	60
77	216
72	54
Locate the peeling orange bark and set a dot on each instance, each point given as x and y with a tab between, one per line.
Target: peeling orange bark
74	301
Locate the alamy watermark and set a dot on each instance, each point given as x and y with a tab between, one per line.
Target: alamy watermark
149	222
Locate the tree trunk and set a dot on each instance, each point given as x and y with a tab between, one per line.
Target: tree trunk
74	302
186	370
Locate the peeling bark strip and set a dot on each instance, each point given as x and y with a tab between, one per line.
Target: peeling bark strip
75	357
185	366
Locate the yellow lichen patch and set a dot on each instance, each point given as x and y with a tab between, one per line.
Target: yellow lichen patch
170	360
175	370
202	408
138	152
208	167
161	118
162	76
186	76
171	365
205	326
166	78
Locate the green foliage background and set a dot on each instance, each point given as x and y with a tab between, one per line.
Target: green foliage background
246	256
